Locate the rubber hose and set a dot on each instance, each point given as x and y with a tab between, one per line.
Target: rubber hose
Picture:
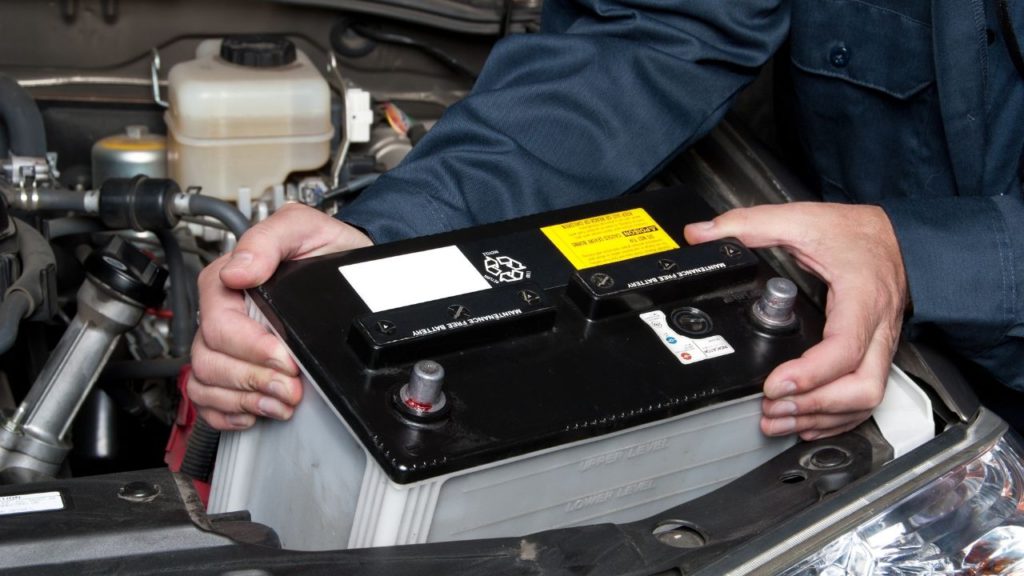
61	227
225	213
154	369
63	200
342	47
181	320
36	256
20	115
201	451
5	149
14	307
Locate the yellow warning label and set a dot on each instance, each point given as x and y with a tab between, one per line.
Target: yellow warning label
609	238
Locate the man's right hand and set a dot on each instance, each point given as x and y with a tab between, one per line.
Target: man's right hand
239	369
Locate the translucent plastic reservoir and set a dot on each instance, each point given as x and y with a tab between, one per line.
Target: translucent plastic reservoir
233	126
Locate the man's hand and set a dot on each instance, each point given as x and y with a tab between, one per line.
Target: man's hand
239	369
836	384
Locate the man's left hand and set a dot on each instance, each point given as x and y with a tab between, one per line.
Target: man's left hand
836	384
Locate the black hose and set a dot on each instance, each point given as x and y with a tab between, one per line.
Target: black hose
61	200
24	123
32	288
227	214
201	451
60	227
181	319
154	369
14	307
342	46
5	149
376	36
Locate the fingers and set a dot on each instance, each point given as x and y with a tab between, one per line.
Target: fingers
849	330
817	409
813	426
294	231
758	226
238	402
226	422
241	370
229	392
227	328
214	369
834	385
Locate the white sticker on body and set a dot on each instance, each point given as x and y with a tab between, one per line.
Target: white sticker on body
38	502
413	278
686	350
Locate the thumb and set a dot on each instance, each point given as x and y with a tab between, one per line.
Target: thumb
245	270
294	231
756	227
266	244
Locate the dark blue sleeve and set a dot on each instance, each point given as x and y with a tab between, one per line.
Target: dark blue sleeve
589	108
964	258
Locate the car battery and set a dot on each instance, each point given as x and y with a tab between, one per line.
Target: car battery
574	367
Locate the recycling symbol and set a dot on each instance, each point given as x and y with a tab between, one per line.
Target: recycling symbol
504	268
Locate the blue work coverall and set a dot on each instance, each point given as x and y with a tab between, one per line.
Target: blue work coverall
913	105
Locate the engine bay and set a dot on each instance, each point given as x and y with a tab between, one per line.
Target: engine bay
139	140
148	90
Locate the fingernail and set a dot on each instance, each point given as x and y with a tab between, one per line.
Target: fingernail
278	389
272	408
783	408
240	420
781	390
781	426
239	259
808	436
277	364
704	225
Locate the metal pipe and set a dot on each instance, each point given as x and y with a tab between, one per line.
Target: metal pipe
121	283
74	79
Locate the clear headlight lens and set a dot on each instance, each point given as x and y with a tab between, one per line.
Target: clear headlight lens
969	522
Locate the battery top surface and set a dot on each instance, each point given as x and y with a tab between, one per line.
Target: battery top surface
544	330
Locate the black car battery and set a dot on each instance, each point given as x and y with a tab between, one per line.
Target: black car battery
579	366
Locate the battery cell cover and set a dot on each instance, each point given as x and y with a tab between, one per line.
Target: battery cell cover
596	368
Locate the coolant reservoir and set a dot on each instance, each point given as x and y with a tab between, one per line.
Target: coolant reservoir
245	113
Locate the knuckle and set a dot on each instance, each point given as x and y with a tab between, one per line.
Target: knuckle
253	379
812	404
210	332
247	402
266	345
196	391
203	365
809	422
873	394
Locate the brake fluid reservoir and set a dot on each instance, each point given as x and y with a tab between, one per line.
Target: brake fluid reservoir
245	113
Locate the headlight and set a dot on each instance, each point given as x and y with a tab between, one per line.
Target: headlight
967	522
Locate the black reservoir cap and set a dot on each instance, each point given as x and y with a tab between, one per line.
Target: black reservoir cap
258	50
126	271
